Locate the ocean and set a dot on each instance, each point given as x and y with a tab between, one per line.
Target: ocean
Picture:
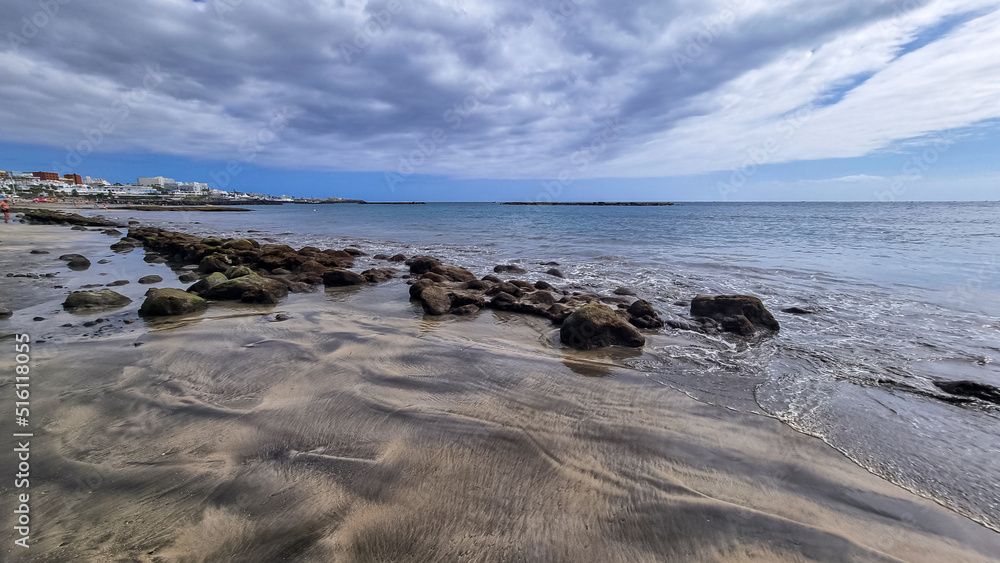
905	295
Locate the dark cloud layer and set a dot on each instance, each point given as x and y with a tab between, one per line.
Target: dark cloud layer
516	86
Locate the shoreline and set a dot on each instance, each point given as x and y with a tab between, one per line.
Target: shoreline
410	411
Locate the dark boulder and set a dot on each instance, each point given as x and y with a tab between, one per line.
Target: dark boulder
187	277
972	389
378	275
642	315
798	311
146	280
397	258
422	264
214	263
169	301
435	300
454	273
380	257
36	251
117	283
722	307
337	277
543	285
624	291
509	268
597	326
76	261
248	289
492	278
234	272
555	273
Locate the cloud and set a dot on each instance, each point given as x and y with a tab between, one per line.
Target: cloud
699	86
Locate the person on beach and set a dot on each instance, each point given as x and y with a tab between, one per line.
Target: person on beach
5	207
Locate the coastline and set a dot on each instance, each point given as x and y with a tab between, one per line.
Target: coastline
414	436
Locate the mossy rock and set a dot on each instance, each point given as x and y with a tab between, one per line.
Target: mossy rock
167	302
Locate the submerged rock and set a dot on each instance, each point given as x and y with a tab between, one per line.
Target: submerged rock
798	311
727	309
597	326
169	301
972	389
508	268
145	280
95	299
554	272
76	261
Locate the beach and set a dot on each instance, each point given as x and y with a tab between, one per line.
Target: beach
347	425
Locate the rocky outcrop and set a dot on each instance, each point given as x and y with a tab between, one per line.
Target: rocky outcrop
100	299
50	217
168	302
598	326
740	314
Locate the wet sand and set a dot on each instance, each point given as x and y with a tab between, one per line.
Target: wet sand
358	430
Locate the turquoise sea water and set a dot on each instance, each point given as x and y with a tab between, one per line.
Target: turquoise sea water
905	294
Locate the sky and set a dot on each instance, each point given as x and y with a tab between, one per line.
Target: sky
528	100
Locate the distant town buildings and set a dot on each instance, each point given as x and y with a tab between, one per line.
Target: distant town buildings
14	182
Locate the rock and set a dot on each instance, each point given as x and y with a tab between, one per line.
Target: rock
117	283
91	285
559	312
463	298
5	312
37	319
418	287
492	278
721	307
509	268
238	271
380	257
214	263
543	285
642	315
164	302
597	326
738	324
280	272
435	300
378	275
550	263
281	317
354	252
241	244
104	261
76	261
555	273
78	228
798	311
187	277
146	280
465	310
397	258
422	264
454	273
112	232
338	278
126	244
624	291
248	289
973	389
208	283
95	299
36	251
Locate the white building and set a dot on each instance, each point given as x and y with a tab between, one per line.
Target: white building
95	181
156	181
